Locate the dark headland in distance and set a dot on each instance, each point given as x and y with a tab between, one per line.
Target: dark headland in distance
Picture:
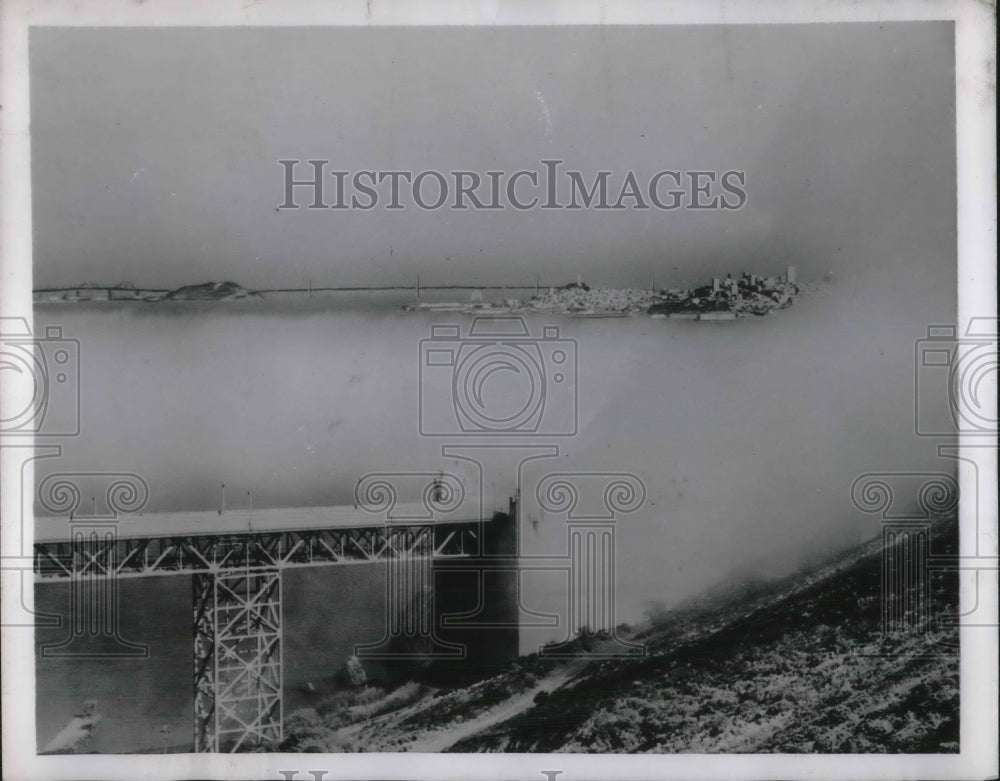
720	299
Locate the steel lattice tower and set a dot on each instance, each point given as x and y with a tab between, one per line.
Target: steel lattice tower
237	660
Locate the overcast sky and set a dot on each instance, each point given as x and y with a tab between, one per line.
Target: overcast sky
155	152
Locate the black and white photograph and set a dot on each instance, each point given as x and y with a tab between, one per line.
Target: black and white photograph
554	390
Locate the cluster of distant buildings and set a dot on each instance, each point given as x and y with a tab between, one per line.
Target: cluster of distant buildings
749	294
751	283
723	299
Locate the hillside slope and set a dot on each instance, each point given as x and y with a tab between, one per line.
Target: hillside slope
799	666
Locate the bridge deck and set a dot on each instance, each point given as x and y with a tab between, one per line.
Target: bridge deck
262	521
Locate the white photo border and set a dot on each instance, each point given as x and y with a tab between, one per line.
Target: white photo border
976	186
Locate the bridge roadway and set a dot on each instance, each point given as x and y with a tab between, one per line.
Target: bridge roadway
235	559
145	544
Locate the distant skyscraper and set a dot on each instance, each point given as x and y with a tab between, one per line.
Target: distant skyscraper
790	274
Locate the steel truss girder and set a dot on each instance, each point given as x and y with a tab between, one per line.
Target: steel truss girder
166	555
238	700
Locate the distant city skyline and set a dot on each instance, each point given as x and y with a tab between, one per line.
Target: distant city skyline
416	284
